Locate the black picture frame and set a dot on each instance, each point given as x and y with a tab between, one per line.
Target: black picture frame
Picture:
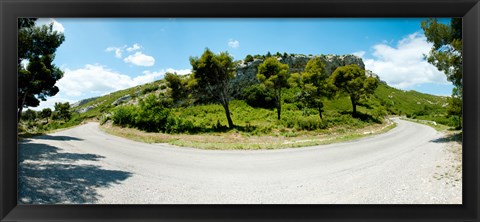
10	10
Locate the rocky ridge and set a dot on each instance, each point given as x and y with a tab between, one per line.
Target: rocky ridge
247	71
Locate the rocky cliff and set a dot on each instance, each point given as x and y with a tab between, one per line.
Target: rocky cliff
247	71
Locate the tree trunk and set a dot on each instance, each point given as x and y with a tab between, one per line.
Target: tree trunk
320	112
227	113
354	105
19	113
20	104
279	105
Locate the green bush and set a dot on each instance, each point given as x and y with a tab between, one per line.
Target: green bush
258	96
125	115
149	89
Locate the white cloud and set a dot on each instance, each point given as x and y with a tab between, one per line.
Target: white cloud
118	51
233	43
134	47
51	102
140	59
179	71
359	53
57	26
98	80
92	78
403	66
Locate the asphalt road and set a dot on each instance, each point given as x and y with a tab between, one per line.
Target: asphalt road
86	165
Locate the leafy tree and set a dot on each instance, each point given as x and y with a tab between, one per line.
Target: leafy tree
274	75
62	111
258	95
30	115
36	46
178	86
213	73
446	55
313	84
153	114
248	58
46	113
353	81
268	55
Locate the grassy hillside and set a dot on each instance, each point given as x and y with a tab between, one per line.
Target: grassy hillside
205	125
386	99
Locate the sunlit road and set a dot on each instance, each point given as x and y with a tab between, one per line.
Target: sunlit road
86	165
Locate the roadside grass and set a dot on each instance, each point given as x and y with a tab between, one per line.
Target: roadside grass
235	140
437	126
28	130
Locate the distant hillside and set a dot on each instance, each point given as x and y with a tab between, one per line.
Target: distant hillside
394	101
397	102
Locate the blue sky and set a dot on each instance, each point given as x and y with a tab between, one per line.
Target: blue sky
100	56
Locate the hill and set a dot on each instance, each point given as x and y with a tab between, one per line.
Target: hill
200	116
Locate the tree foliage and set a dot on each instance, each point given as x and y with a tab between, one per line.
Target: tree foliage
62	111
46	113
248	58
213	74
178	87
30	115
36	46
152	114
313	84
274	75
258	95
353	81
446	55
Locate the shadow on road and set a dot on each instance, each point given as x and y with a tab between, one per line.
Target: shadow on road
449	138
49	176
50	137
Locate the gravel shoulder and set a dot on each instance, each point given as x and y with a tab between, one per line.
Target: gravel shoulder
86	165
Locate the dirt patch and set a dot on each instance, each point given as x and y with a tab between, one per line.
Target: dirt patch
450	170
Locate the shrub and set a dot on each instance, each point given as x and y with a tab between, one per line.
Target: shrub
152	114
258	96
124	115
149	89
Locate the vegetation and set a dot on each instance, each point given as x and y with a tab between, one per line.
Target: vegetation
280	107
213	74
36	122
313	84
37	74
274	75
352	81
446	55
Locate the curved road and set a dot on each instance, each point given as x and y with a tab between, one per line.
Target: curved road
86	165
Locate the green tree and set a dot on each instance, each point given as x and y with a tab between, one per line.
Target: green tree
248	58
257	95
213	74
62	111
36	46
46	113
178	89
446	55
353	81
152	114
274	75
313	84
30	115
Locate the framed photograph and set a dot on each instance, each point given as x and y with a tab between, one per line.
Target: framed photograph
239	110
